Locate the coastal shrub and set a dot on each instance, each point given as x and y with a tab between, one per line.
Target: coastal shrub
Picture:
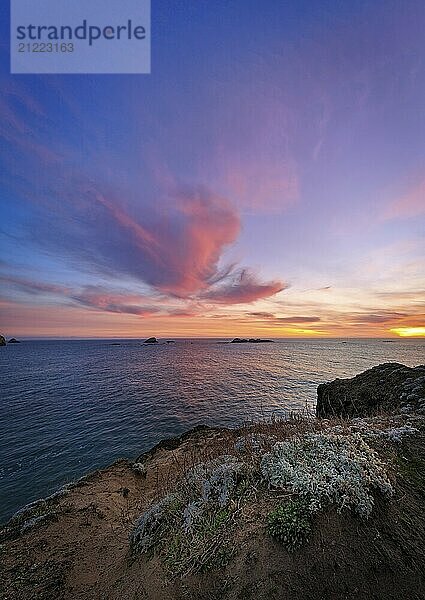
214	482
193	514
191	528
153	522
188	528
328	467
396	434
290	523
31	515
379	429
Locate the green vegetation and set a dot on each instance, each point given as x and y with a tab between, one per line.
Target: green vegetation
290	523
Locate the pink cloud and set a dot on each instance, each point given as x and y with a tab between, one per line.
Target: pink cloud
208	224
410	204
175	244
176	253
245	288
94	297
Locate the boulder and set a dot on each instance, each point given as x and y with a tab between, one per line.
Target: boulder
151	340
2	341
390	386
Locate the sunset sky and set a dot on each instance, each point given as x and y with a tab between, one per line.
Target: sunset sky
267	179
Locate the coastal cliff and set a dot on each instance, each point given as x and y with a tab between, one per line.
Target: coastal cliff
390	386
303	508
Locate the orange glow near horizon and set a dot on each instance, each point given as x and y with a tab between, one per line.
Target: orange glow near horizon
409	331
296	332
29	321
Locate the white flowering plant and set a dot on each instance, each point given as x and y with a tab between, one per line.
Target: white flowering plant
328	468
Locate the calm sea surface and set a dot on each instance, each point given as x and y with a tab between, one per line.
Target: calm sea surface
68	407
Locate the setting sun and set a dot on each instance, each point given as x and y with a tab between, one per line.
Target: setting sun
409	331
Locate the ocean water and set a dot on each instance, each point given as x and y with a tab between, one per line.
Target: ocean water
68	407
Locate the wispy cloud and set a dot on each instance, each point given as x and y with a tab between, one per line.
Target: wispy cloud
276	319
90	296
244	289
106	301
383	317
33	287
410	204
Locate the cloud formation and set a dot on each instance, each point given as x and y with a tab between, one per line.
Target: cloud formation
383	317
89	296
176	248
244	289
101	299
33	287
168	236
294	320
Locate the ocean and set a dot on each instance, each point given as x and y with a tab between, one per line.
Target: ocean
68	407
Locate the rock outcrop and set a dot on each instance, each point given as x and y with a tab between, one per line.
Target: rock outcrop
249	341
14	341
390	386
151	340
2	341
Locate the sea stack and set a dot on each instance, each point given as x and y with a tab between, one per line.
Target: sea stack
151	340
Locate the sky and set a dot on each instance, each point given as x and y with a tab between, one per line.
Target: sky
266	179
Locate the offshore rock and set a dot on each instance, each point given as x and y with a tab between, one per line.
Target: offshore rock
249	341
